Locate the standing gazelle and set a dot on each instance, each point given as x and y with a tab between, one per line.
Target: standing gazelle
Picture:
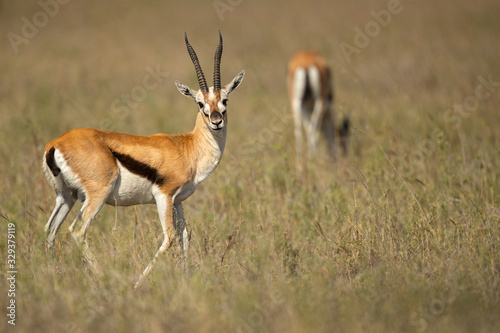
311	95
98	167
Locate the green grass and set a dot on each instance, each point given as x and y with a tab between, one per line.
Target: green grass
402	235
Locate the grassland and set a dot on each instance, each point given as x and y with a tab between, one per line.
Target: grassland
402	235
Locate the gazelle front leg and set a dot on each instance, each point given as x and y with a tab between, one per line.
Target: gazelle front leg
180	226
164	204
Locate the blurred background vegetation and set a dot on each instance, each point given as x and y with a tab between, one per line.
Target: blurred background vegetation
402	235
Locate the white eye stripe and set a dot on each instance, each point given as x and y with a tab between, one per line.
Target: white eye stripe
202	107
223	105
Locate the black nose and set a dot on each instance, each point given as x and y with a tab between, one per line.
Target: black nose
216	118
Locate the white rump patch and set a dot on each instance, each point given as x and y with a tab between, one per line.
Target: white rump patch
314	81
299	83
67	179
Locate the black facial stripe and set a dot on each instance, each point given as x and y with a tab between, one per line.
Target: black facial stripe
51	163
139	168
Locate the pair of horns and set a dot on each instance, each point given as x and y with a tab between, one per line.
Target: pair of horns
199	73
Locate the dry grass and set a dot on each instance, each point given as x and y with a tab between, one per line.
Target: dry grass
400	236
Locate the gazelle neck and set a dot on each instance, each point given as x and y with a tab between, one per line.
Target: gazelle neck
204	135
208	148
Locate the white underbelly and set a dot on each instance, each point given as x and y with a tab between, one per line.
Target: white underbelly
130	189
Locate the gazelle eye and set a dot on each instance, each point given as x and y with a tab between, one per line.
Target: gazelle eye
224	102
200	104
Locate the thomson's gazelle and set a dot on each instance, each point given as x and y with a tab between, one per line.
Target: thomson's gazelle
310	89
102	167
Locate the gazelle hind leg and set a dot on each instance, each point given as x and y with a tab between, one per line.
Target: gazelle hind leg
89	210
61	210
313	125
299	86
55	212
165	211
317	110
297	120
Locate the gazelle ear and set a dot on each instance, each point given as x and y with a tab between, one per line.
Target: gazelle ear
235	83
185	90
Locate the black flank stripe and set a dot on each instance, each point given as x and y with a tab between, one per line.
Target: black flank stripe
51	163
139	168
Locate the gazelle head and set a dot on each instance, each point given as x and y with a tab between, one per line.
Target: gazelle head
212	102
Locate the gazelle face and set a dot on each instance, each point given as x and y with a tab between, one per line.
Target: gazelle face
212	104
213	107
